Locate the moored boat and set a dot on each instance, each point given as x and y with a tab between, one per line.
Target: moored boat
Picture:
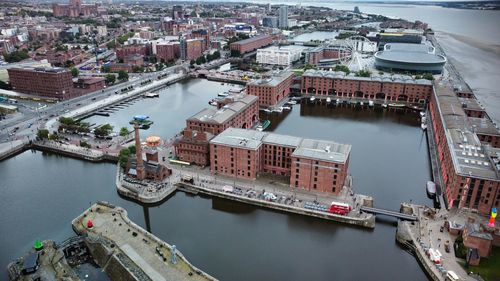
431	188
264	125
396	105
312	98
328	100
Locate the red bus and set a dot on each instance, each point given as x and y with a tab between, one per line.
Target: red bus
340	208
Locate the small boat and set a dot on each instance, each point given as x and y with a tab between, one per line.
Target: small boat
370	103
337	101
278	109
328	100
422	113
431	188
212	102
297	98
151	95
264	125
286	108
312	98
223	94
292	102
423	126
384	105
396	105
266	110
361	103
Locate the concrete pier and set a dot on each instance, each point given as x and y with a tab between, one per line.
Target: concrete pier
126	251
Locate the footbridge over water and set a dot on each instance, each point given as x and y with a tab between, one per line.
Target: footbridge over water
390	213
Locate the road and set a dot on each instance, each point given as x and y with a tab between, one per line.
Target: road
30	120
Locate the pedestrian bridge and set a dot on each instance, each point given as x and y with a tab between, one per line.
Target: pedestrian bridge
398	215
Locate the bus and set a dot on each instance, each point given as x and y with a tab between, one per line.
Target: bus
340	208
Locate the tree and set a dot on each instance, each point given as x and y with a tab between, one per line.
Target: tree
111	45
124	131
84	144
110	79
16	56
428	76
343	68
123	157
43	134
67	120
363	73
192	62
309	66
122	75
74	71
103	130
131	149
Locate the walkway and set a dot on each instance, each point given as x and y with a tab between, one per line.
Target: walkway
388	213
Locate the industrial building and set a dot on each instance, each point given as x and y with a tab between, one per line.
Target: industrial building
271	89
251	44
469	167
386	87
52	82
415	58
314	165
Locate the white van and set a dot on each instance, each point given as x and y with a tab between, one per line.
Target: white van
451	276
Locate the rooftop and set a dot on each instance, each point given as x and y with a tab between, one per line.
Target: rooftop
42	69
305	148
220	116
273	80
252	39
470	157
409	53
396	78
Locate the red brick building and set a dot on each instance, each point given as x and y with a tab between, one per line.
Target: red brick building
311	164
168	51
74	9
48	82
88	84
271	90
387	88
469	169
127	50
251	44
191	48
116	67
193	147
474	238
134	60
241	111
204	35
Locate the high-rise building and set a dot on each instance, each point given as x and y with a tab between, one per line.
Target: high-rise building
283	17
270	22
177	12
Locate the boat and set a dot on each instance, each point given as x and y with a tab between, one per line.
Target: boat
422	113
384	105
212	102
278	109
328	100
337	101
431	188
297	98
223	94
423	126
396	105
266	110
370	103
286	108
151	95
264	125
361	103
292	102
312	98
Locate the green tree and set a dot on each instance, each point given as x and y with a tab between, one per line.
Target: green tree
122	75
43	134
124	131
111	44
309	66
363	73
103	130
343	68
110	79
67	120
16	56
84	144
74	71
123	157
192	62
428	76
131	149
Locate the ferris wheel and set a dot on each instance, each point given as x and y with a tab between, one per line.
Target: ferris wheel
356	52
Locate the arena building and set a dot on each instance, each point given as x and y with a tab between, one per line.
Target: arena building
415	58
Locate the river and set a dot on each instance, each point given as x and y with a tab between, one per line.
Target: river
228	240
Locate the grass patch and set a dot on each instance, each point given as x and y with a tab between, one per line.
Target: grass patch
489	268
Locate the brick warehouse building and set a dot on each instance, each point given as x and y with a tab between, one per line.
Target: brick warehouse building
251	44
74	9
311	164
237	110
240	111
271	90
127	50
52	82
469	168
389	88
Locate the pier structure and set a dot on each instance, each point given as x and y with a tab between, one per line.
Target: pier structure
126	251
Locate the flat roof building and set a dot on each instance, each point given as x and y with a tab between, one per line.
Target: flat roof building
278	55
54	82
469	166
251	44
271	89
317	165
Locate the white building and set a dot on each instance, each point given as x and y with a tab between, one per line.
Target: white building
278	56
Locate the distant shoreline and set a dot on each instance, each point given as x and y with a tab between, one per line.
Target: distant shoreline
465	5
